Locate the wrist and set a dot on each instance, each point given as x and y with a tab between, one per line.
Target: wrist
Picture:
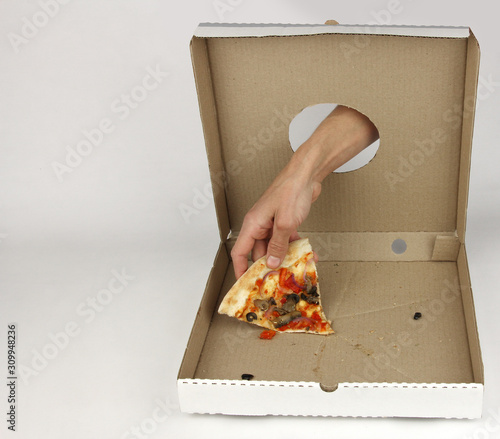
341	136
312	160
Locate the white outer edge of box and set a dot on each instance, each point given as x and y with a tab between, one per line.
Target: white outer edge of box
258	398
218	30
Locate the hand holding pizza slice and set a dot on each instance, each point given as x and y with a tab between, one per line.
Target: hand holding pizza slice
285	299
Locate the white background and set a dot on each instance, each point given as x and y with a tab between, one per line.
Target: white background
119	210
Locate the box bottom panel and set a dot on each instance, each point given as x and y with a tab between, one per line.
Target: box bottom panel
372	307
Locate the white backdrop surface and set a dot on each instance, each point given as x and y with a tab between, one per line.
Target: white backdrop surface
101	144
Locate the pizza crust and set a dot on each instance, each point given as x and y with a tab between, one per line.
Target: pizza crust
237	297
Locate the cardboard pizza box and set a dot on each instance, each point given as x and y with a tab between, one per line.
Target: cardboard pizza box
418	86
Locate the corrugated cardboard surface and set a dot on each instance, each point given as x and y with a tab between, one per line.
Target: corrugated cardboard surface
377	246
420	92
469	109
411	87
218	30
377	339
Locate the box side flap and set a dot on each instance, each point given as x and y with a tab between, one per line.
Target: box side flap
204	315
404	399
470	316
380	246
408	86
208	113
445	248
217	30
469	109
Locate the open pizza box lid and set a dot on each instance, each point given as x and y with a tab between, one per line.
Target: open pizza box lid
418	86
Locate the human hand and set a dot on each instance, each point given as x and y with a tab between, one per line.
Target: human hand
272	222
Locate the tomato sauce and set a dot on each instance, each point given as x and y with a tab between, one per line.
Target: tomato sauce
267	334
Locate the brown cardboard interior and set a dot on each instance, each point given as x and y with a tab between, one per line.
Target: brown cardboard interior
372	305
412	88
420	93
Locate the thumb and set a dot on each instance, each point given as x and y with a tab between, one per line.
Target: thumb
278	245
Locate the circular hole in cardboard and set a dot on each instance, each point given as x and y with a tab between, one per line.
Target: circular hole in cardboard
399	246
304	124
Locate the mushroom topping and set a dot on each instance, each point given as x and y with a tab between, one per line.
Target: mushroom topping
263	305
280	321
281	311
290	303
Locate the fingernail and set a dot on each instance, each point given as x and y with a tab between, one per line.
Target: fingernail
273	262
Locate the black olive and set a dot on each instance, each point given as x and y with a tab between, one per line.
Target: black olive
313	291
251	316
295	297
247	376
303	296
272	301
417	315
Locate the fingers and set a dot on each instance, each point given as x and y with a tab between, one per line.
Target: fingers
255	229
259	249
278	244
294	236
260	246
276	248
254	237
239	253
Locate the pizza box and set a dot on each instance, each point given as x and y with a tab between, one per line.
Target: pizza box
390	235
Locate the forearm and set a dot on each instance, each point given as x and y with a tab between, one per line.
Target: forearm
341	136
274	219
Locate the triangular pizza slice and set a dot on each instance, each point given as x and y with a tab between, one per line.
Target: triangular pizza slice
286	299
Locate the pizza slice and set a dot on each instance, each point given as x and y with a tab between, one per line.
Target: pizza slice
285	299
